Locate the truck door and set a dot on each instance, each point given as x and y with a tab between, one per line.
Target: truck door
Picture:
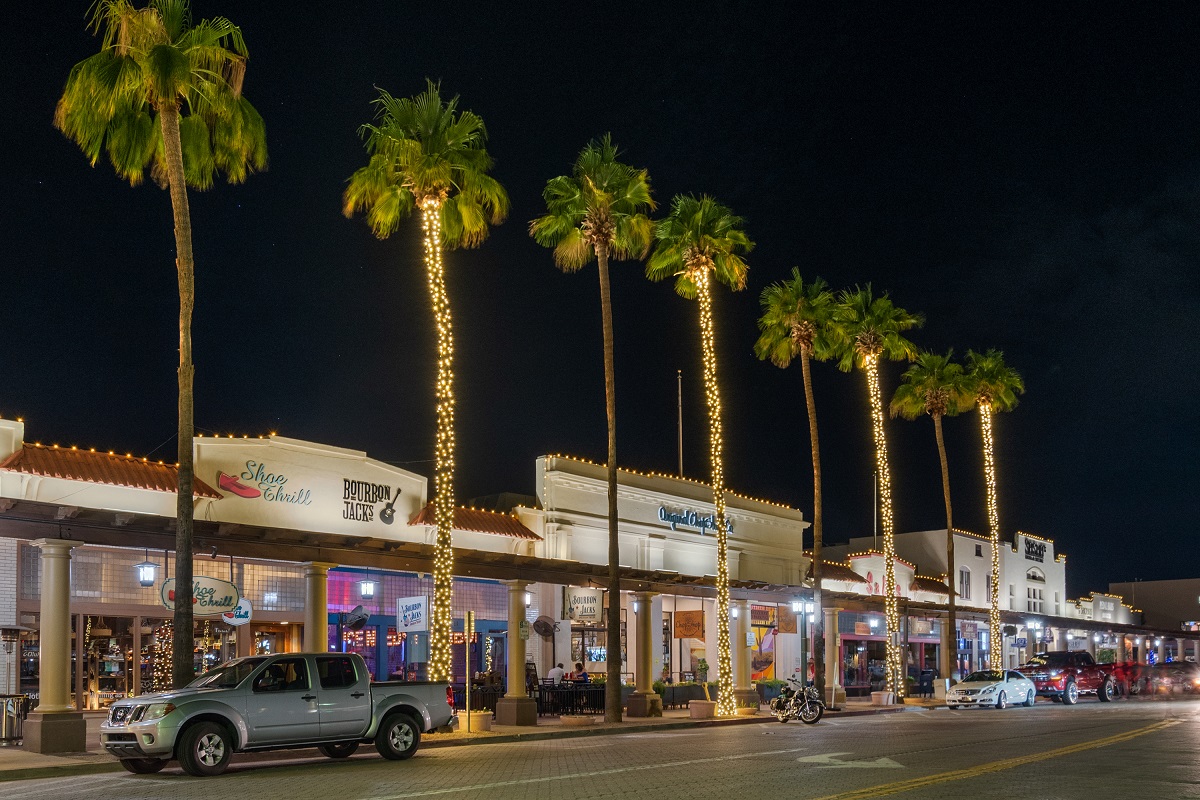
281	706
344	696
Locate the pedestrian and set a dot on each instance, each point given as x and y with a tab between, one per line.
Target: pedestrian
556	673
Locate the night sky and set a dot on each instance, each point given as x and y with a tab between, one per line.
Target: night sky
1028	179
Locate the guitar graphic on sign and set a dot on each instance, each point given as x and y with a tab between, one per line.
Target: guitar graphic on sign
388	514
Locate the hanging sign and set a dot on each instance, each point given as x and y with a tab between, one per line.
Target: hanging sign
211	597
786	619
240	615
689	625
412	614
583	605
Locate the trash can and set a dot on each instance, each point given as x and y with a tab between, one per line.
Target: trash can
13	708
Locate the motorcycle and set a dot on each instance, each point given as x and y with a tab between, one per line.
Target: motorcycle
798	700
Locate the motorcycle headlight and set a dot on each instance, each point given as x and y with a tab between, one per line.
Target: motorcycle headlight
157	711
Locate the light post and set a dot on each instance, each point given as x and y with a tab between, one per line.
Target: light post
11	636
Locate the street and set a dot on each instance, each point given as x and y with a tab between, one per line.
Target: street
1088	751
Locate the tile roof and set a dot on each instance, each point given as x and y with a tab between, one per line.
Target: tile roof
88	465
832	571
922	584
477	521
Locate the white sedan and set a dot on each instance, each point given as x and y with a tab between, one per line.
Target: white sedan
1000	688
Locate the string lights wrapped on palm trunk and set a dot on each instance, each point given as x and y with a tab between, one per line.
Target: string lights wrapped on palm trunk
989	471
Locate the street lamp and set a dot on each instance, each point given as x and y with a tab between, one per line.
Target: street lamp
145	571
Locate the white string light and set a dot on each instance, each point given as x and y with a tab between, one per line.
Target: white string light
989	471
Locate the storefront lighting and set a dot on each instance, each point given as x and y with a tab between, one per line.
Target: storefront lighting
146	571
529	600
874	623
270	598
635	606
733	612
366	589
797	606
1158	642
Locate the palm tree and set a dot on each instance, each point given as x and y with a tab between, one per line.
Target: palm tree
994	386
599	211
866	329
795	322
935	385
165	93
699	240
426	154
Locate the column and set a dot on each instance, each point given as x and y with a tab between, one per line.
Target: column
1179	649
54	726
316	606
835	695
517	707
1196	651
744	693
1160	645
644	702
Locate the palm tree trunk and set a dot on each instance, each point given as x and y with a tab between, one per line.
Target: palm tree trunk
950	634
725	702
995	645
818	535
182	665
442	618
612	686
895	681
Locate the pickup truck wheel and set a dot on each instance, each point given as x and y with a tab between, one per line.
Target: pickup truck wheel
1070	695
339	750
204	749
398	737
1108	690
143	766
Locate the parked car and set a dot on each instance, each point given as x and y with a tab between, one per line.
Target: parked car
323	700
996	688
1064	675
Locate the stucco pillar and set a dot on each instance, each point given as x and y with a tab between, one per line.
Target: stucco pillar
835	695
55	726
1179	649
1196	651
517	707
316	606
1160	646
744	693
644	702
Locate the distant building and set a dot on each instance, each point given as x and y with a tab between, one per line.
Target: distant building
1174	605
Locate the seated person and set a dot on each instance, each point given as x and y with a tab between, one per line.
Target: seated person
272	679
556	673
580	674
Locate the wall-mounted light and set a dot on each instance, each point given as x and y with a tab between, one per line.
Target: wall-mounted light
797	605
733	611
366	589
528	599
145	571
635	606
874	623
1158	642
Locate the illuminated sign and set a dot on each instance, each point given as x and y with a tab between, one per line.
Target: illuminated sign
1035	551
691	519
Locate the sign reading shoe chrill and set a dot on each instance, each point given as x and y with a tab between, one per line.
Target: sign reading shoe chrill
211	597
287	483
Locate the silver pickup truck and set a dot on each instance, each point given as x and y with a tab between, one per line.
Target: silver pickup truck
288	700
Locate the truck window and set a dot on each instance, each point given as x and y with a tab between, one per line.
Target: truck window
336	672
289	674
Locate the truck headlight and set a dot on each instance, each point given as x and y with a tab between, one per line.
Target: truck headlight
157	711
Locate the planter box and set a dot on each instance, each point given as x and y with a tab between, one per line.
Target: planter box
702	709
480	721
577	720
883	698
747	712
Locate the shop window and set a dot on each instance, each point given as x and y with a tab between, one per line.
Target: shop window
979	551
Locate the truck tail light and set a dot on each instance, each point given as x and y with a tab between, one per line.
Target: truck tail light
450	697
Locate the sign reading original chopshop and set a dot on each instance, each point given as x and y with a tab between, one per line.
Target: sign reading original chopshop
211	597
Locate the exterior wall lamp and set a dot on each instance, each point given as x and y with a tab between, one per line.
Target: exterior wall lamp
366	589
146	571
528	599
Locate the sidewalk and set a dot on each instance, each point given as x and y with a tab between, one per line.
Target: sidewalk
18	764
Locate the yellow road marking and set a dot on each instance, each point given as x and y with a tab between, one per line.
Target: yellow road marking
994	766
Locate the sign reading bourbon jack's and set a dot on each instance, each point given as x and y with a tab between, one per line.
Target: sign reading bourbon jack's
583	605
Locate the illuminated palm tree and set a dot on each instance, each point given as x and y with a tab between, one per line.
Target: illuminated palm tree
994	386
599	212
426	154
165	94
795	322
867	328
698	241
936	386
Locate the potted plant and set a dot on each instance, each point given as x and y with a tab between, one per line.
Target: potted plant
702	670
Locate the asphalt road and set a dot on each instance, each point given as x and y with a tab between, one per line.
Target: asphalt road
1093	750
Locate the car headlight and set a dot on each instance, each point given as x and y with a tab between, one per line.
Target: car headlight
157	711
1054	673
988	690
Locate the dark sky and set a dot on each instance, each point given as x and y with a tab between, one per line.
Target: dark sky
1027	178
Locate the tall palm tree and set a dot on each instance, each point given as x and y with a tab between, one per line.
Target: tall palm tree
165	93
598	212
795	322
994	386
698	241
867	329
935	385
426	154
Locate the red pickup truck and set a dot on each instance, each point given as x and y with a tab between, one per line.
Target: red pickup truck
1064	675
